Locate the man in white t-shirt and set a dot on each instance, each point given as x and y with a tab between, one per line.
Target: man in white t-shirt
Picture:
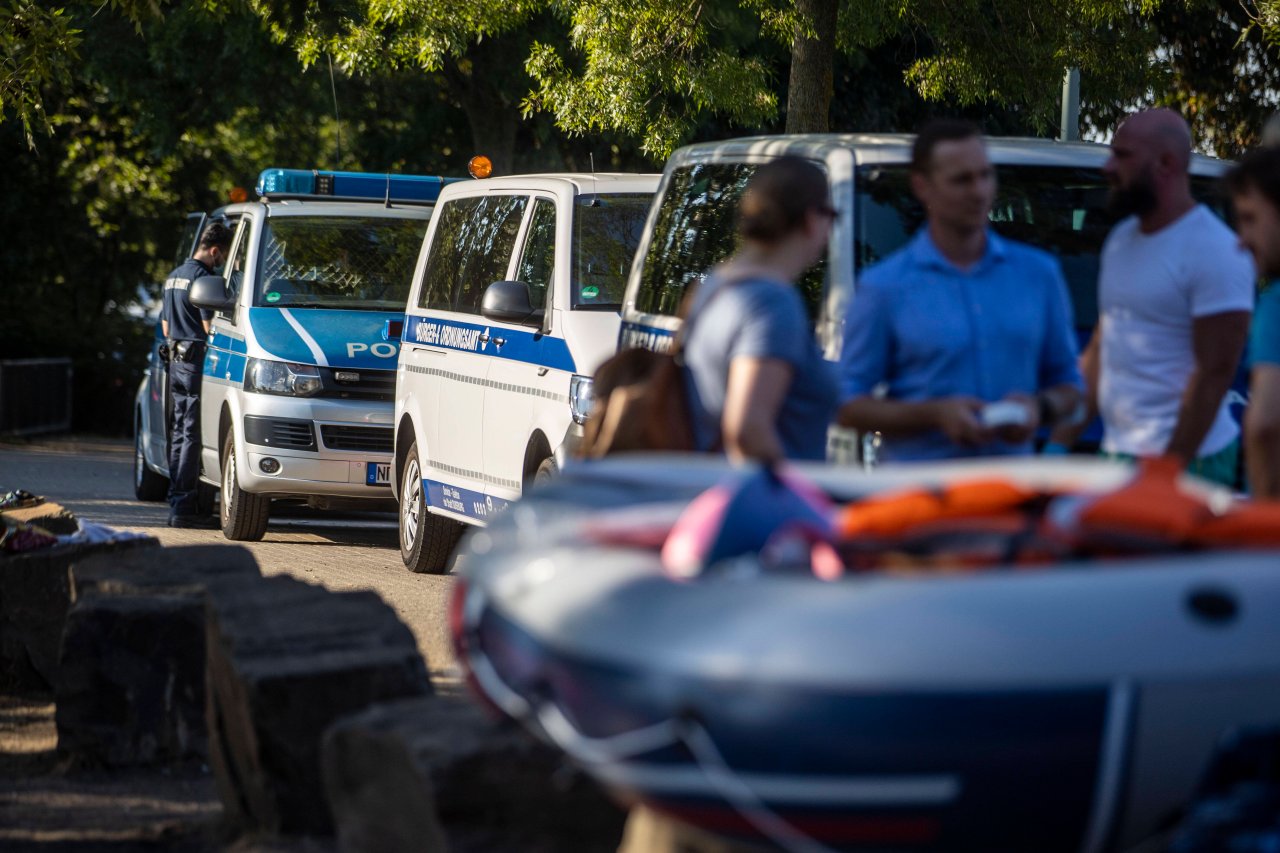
1175	294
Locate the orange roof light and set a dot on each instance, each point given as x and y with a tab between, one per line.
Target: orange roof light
480	166
238	195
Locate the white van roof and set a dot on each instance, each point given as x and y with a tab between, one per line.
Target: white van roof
877	148
582	183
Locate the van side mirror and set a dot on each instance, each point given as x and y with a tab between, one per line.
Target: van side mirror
509	302
210	292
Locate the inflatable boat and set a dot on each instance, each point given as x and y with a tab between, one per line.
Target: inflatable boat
1069	707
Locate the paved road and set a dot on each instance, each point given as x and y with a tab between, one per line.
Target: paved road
93	478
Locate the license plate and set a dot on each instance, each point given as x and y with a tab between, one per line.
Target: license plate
378	473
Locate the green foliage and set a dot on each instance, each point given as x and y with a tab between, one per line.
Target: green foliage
162	116
1014	53
656	70
37	48
651	71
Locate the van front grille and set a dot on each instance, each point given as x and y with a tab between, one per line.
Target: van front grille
359	438
282	433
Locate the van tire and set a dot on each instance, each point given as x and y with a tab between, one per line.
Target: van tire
545	473
147	484
426	540
244	515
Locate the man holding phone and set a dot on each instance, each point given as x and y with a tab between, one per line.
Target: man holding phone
960	343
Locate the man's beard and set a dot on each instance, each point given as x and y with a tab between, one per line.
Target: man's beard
1137	199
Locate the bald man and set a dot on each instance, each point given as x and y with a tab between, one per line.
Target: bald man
1175	294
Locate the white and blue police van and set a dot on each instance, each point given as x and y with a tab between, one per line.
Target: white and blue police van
514	304
1050	194
299	377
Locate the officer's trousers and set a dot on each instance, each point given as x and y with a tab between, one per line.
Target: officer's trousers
184	437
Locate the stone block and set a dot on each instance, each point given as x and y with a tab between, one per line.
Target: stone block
439	773
130	688
35	594
285	660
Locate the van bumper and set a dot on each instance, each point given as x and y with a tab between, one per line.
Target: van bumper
290	447
570	447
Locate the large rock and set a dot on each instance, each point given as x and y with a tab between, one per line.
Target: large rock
130	688
285	660
35	594
439	774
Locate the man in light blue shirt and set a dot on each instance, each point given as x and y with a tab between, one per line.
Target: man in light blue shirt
957	320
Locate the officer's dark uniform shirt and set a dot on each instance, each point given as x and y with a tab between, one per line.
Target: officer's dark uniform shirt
186	321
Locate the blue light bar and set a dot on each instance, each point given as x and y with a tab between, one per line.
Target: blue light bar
370	185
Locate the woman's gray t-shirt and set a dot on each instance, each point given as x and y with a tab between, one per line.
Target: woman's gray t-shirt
758	318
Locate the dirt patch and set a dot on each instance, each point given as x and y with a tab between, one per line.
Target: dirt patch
45	809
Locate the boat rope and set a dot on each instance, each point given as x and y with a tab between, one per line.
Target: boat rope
740	796
617	747
588	750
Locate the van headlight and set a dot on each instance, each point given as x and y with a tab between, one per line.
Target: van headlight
281	377
580	398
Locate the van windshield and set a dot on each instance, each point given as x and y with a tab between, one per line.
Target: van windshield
1061	210
606	231
695	230
346	262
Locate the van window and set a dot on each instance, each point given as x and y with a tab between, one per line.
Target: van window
351	262
234	272
187	242
472	248
537	263
606	231
695	229
1061	210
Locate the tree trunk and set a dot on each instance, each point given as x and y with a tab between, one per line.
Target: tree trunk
812	59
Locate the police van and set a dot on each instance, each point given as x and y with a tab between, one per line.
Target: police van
299	378
1050	194
514	303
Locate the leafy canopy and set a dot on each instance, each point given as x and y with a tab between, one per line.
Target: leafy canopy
654	70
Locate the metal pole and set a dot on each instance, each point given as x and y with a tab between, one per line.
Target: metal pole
1070	106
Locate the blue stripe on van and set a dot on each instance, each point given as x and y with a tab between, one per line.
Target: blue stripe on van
223	341
645	337
224	365
528	347
462	501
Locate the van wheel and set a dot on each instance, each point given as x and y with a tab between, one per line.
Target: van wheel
546	472
426	541
147	484
244	515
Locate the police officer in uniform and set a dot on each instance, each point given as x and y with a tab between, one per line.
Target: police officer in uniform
186	330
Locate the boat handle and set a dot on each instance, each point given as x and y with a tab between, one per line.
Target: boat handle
1213	605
